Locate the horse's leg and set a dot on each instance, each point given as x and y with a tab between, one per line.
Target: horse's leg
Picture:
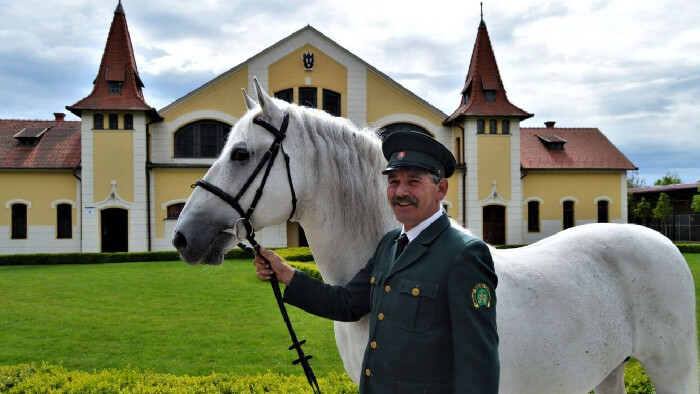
613	383
672	375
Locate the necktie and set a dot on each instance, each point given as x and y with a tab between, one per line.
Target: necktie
401	245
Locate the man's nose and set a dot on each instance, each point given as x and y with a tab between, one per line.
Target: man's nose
402	189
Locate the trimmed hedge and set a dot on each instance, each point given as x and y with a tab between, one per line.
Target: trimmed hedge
688	248
28	378
101	258
308	268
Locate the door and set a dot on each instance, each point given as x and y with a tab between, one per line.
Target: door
495	224
115	230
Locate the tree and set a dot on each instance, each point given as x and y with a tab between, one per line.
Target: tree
663	209
634	180
669	178
643	209
695	205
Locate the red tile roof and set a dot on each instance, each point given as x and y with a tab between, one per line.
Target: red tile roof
58	147
585	148
665	188
118	65
483	75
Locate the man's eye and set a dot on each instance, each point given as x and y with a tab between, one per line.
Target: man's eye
240	154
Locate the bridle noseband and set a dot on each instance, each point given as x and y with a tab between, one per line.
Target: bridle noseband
269	158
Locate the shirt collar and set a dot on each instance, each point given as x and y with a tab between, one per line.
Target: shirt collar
414	232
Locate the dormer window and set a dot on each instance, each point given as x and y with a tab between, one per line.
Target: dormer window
29	136
552	142
115	87
490	96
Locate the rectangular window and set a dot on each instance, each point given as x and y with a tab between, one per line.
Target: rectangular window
286	95
99	122
19	221
568	219
331	102
533	217
308	98
64	221
493	126
174	210
115	87
490	96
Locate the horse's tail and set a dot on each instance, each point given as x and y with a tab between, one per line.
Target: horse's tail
661	291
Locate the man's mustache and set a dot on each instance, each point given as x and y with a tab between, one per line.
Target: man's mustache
404	199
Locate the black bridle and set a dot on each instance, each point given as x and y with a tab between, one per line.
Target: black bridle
269	159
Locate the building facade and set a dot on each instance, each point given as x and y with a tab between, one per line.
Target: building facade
126	168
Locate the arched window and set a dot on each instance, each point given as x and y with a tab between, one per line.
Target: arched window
308	98
480	126
286	95
533	216
19	221
505	127
458	150
394	127
113	121
568	214
174	210
64	221
99	122
128	122
603	211
203	138
493	126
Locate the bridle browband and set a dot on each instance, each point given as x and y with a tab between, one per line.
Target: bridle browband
268	158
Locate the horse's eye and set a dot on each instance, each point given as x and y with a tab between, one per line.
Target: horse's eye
240	154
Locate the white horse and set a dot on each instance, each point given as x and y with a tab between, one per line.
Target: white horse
571	308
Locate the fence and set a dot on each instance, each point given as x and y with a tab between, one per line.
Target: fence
681	227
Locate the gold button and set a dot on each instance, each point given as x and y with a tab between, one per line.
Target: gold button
387	288
373	344
368	372
372	280
380	316
415	291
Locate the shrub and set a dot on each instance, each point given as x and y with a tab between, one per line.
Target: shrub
307	268
689	248
28	378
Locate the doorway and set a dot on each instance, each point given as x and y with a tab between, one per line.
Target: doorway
115	230
495	224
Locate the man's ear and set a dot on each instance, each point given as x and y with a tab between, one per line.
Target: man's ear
442	189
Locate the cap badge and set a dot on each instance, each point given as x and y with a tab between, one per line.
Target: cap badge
481	296
401	155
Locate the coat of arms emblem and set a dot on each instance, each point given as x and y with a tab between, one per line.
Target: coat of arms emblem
481	296
308	59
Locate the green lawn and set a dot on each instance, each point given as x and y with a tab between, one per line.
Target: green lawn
164	317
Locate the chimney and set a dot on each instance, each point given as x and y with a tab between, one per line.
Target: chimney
550	124
60	116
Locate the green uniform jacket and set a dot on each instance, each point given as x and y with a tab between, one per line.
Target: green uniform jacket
432	313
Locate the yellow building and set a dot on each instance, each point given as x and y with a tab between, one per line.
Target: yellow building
513	185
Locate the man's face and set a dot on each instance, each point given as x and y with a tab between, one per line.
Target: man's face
414	196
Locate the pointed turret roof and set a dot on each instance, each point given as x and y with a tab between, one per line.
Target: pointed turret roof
483	75
118	65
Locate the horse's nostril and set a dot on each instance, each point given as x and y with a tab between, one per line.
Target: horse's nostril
179	241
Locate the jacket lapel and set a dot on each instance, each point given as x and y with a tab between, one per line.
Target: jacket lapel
419	246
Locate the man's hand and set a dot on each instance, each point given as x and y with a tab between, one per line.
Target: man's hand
282	270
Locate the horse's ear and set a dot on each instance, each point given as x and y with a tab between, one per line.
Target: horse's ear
269	108
249	102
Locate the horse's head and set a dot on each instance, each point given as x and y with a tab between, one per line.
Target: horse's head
209	226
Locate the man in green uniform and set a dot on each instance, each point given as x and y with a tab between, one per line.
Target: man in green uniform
429	288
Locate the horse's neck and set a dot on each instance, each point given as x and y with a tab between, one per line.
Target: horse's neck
341	251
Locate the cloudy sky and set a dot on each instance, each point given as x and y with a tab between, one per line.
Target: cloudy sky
629	67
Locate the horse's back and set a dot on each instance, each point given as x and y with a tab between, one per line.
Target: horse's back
592	296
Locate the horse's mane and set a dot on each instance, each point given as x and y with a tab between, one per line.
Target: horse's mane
347	162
